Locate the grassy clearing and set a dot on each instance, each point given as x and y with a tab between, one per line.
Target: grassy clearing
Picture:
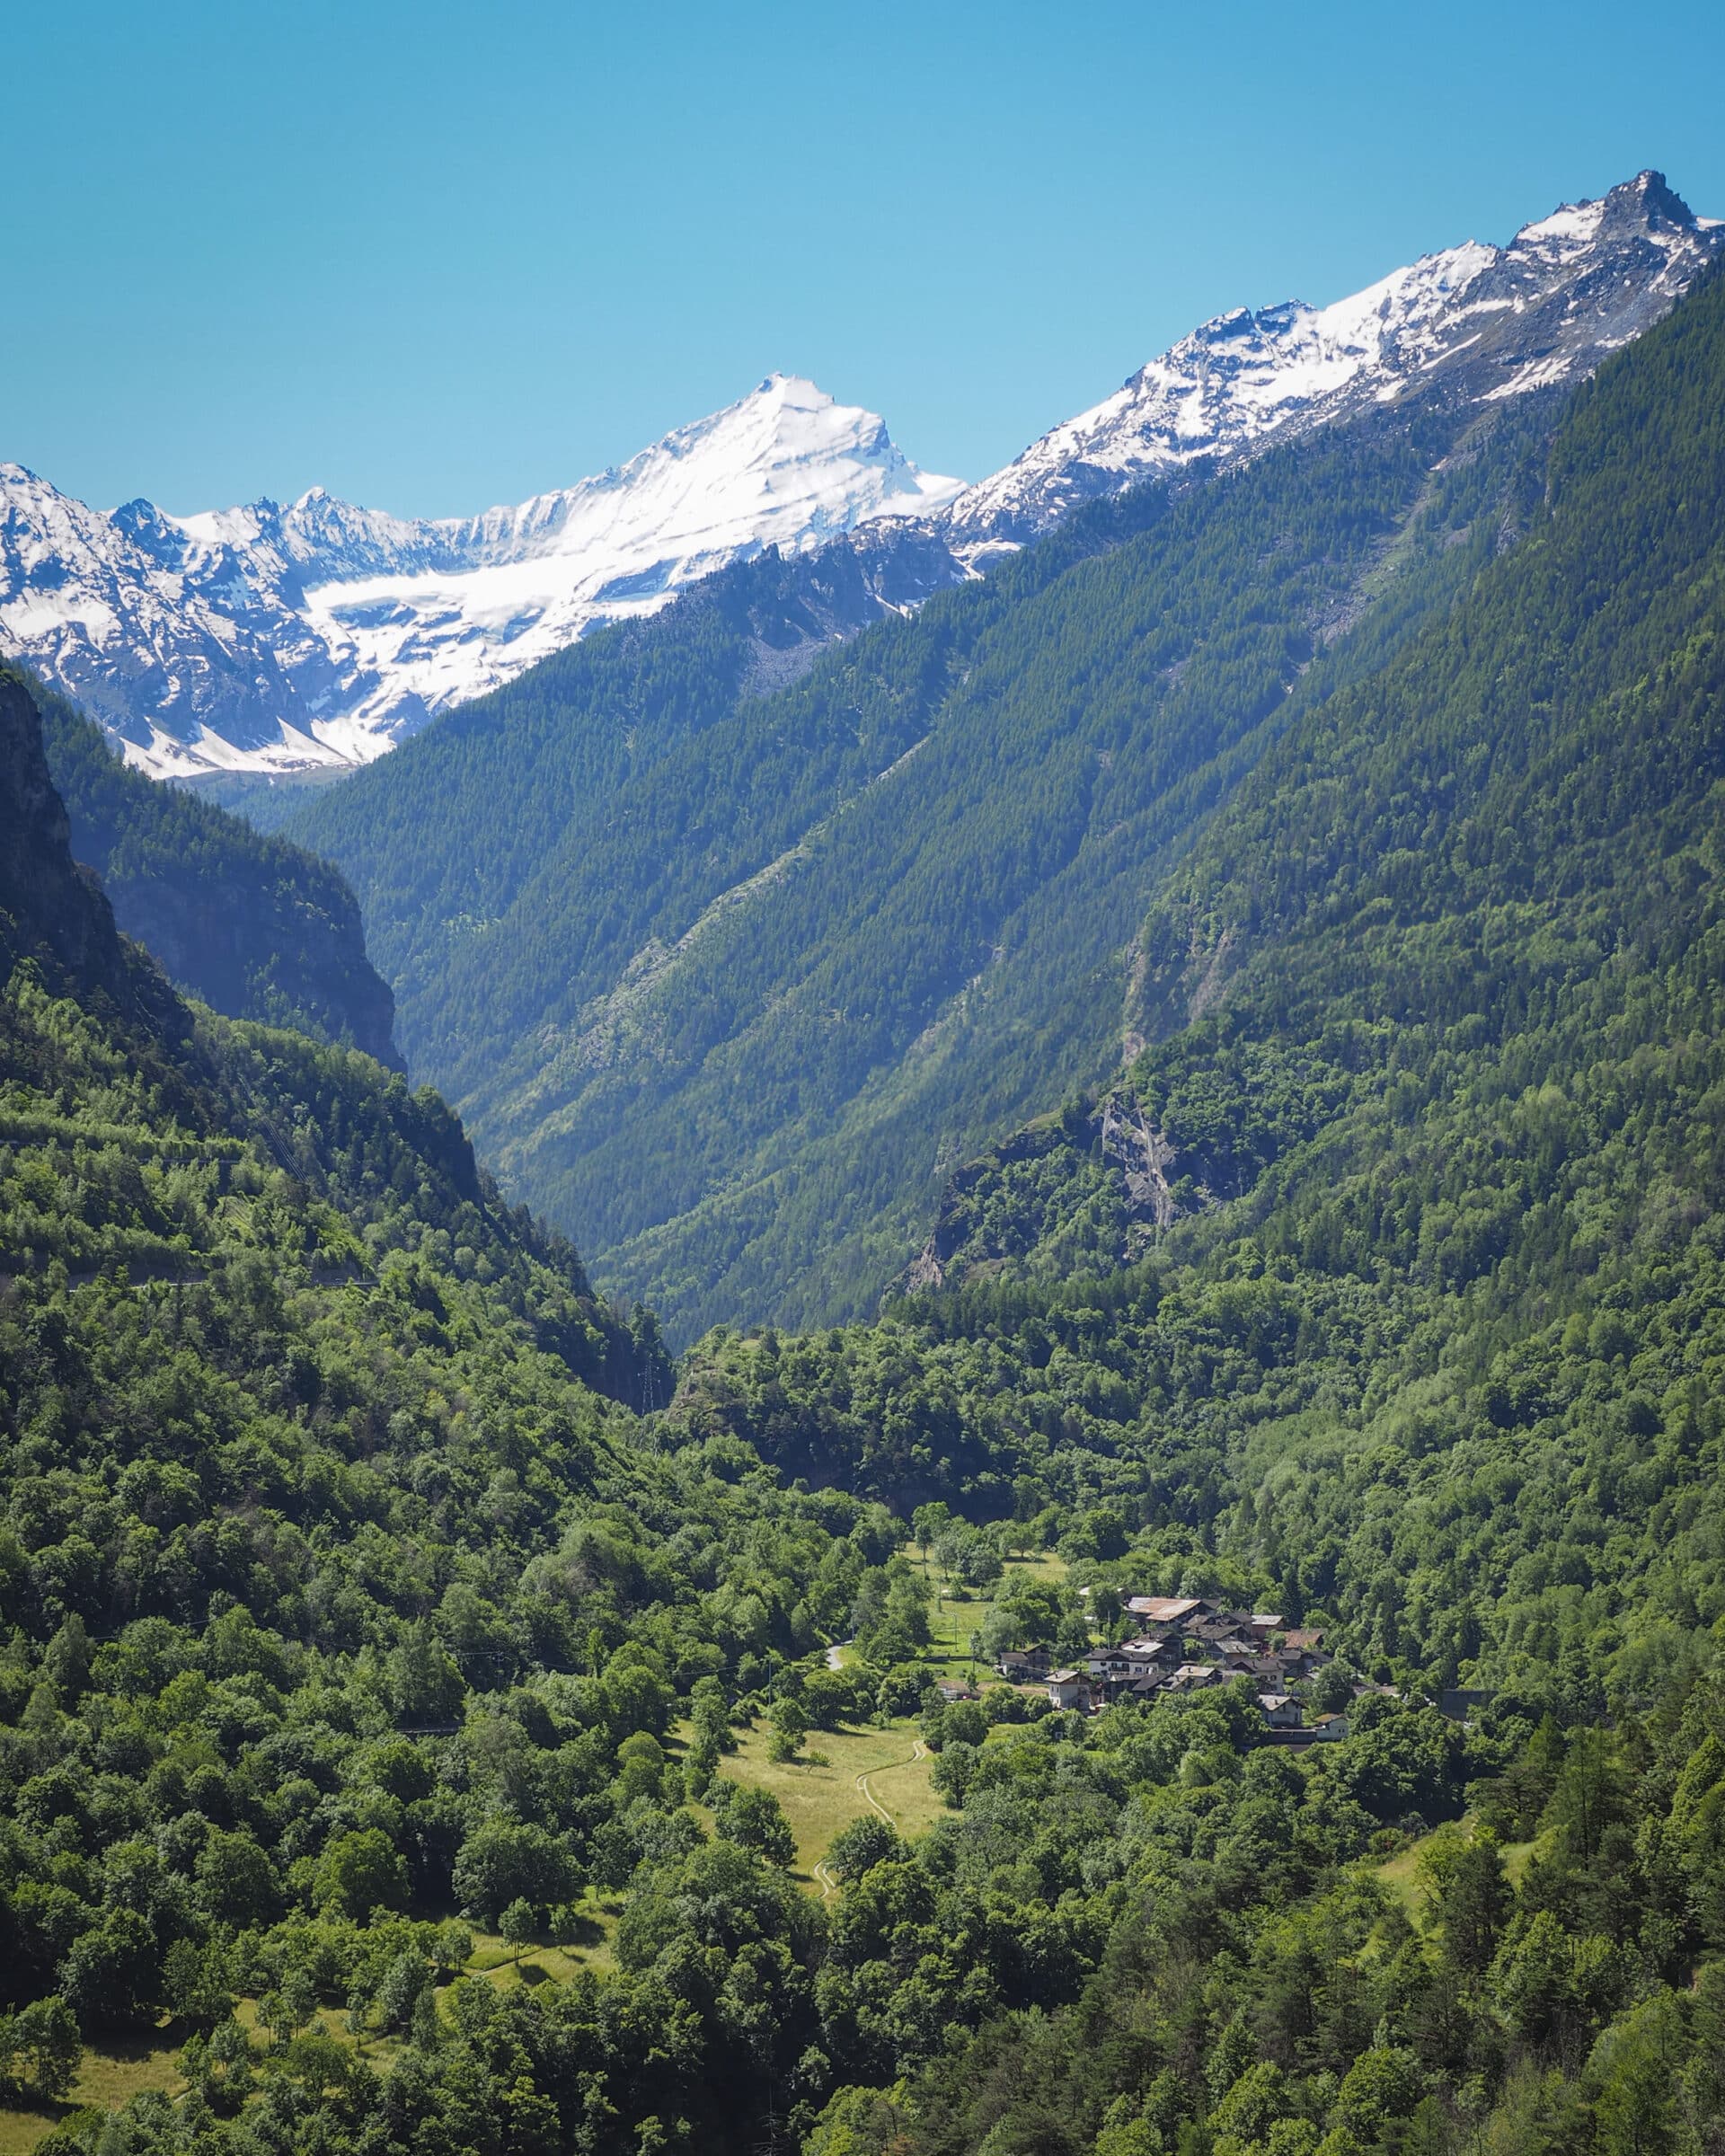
494	1958
819	1800
953	1620
111	2072
888	1765
1400	1873
1515	1860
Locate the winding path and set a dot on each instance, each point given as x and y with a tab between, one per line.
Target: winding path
822	1871
919	1750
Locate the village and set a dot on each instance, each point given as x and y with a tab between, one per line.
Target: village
1180	1644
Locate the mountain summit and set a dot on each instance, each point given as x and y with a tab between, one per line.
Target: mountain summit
1482	322
269	639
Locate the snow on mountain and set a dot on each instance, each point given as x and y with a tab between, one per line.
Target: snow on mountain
269	639
1475	322
786	466
265	639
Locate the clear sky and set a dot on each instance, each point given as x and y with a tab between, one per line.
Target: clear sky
436	256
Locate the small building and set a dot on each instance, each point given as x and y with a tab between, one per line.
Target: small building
1020	1665
1279	1711
1303	1664
950	1690
1069	1687
1196	1676
1167	1609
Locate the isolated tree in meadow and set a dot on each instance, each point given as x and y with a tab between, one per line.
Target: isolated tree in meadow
790	1727
518	1923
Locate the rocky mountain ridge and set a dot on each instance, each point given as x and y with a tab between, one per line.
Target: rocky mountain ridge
311	638
272	639
1475	323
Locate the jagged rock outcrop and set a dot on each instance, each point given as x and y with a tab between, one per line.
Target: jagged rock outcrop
274	638
314	635
996	1207
1470	325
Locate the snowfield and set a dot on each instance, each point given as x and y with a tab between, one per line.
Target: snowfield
274	640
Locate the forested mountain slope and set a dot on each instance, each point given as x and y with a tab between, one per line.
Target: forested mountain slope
731	984
252	926
1422	1173
309	1155
342	1616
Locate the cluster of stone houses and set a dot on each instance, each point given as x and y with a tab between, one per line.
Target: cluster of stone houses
1180	1644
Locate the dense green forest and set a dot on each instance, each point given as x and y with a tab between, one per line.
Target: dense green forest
362	1591
726	983
253	926
1436	1315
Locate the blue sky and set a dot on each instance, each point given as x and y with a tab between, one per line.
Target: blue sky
436	256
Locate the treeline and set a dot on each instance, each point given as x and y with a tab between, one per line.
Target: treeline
346	1614
1432	1329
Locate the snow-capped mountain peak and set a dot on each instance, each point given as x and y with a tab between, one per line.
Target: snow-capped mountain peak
271	638
1476	322
264	638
